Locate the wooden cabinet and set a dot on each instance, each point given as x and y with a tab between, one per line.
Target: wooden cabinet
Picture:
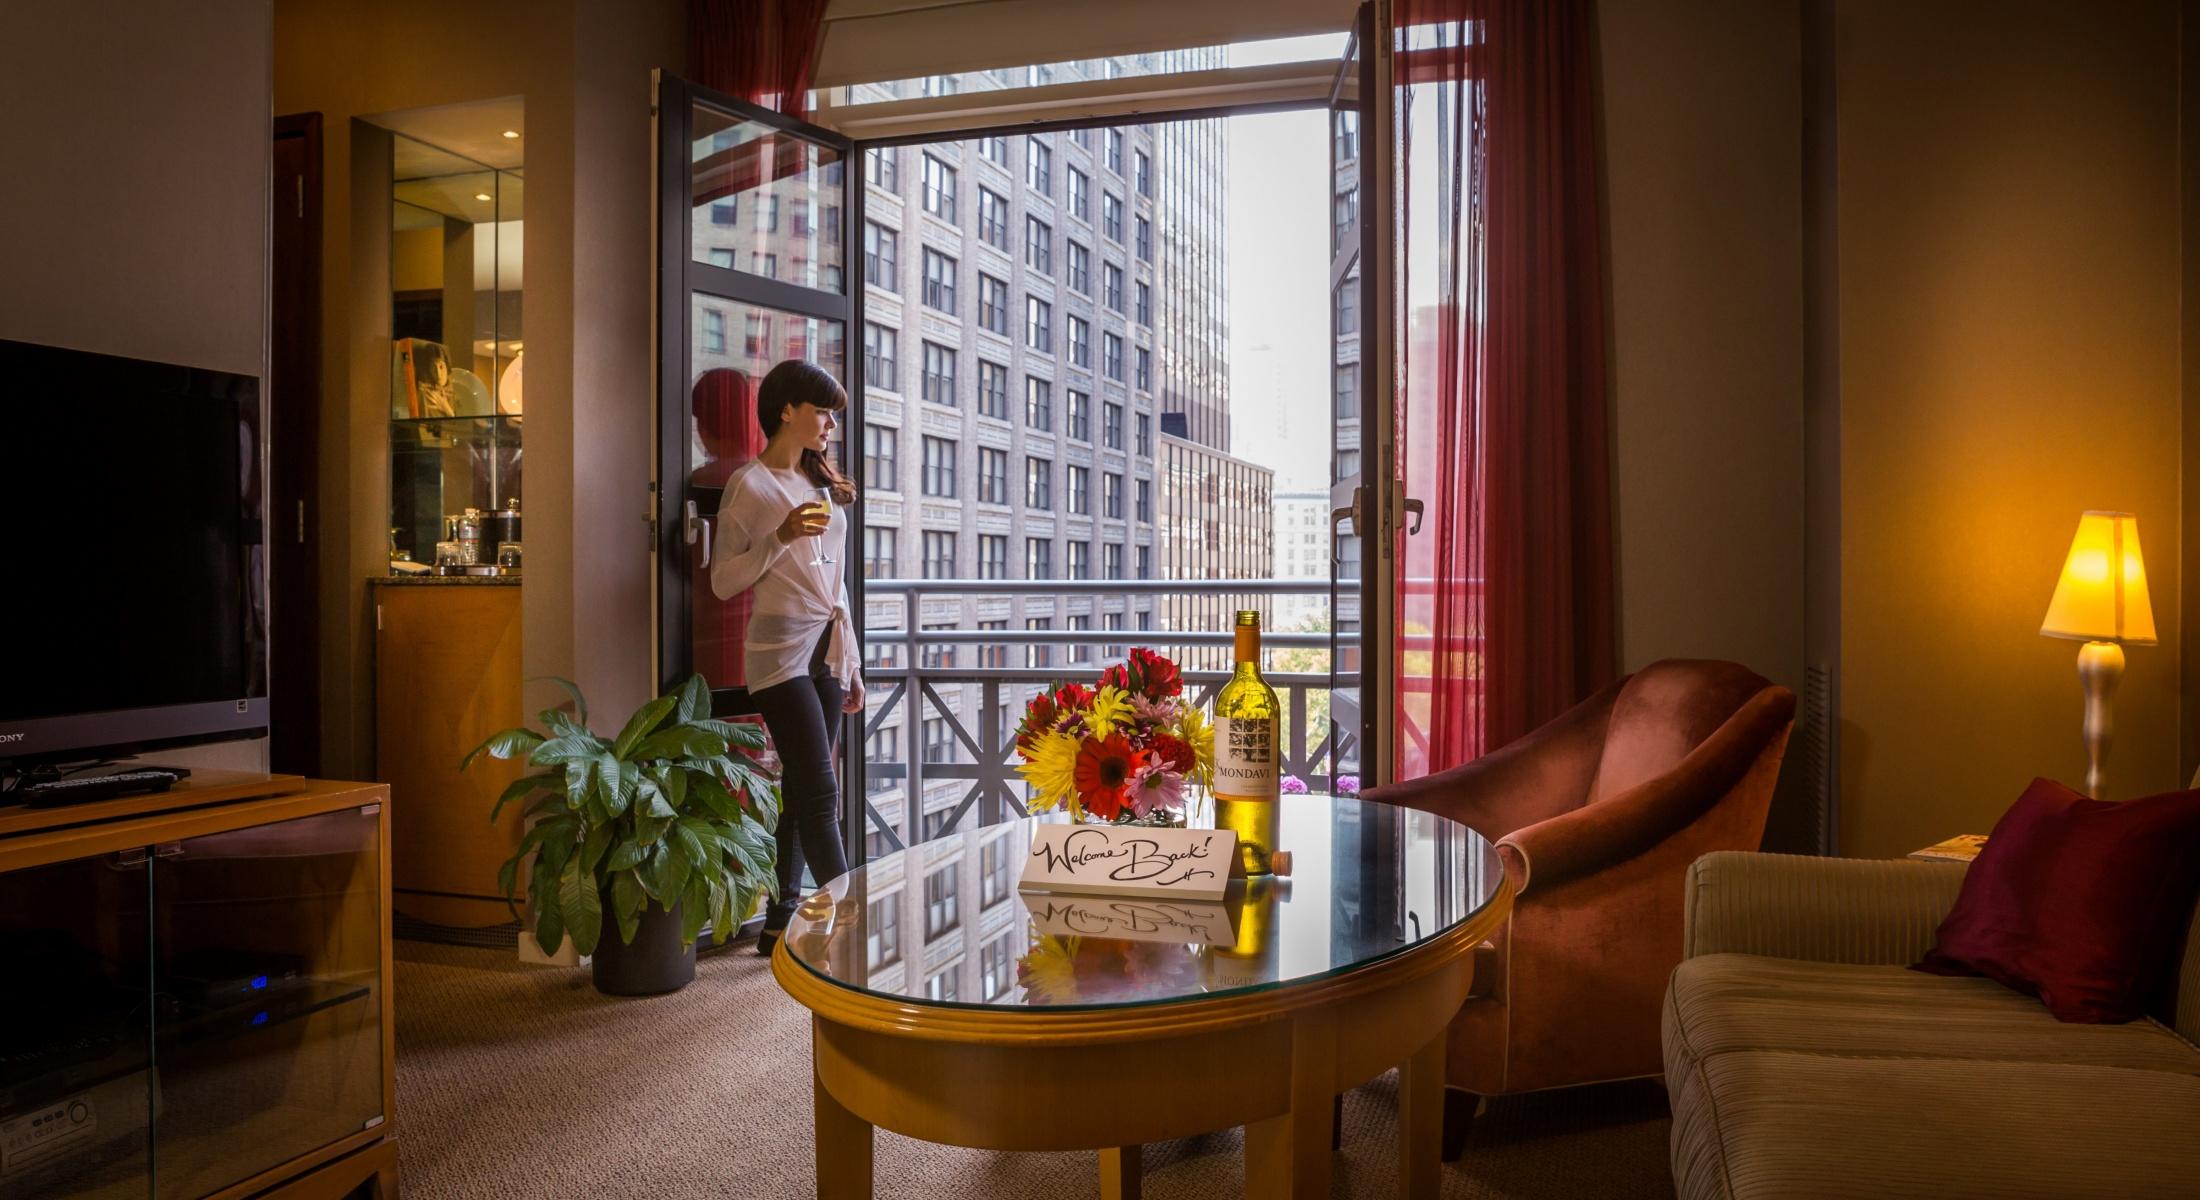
199	993
447	675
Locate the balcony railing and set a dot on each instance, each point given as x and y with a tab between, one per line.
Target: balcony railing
908	684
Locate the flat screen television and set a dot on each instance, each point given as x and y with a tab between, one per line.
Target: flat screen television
135	567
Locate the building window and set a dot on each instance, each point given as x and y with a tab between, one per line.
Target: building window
1348	465
1145	174
1080	194
937	656
1348	392
993	654
1039	484
1145	240
1144	446
994	969
881	255
882	931
992	475
1111	424
992	390
1145	304
942	986
939	466
878	552
1145	564
1080	342
994	150
714	331
1039	165
1080	415
1038	245
941	894
1080	500
1079	652
939	189
1037	655
1115	151
1348	135
1080	269
939	374
756	335
1038	403
1345	210
939	85
765	263
1348	306
992	219
725	212
882	457
992	873
993	558
939	554
1039	563
939	281
1111	217
1144	511
721	258
881	748
1039	324
1111	286
883	168
879	368
1143	381
1111	356
1111	500
992	304
767	215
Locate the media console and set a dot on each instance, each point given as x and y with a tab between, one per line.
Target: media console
197	998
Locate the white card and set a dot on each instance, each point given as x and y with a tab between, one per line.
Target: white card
1130	860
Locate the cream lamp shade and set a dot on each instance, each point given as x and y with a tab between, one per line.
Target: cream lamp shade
2102	595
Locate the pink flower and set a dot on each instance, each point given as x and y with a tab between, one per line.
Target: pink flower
1154	787
1293	786
1151	713
1348	785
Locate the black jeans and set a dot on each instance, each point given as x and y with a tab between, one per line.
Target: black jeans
803	716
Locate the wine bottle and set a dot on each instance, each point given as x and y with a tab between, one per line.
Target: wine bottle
1247	781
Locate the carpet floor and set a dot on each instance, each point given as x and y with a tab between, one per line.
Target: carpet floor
520	1081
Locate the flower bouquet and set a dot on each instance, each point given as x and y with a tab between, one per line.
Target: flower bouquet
1099	970
1126	751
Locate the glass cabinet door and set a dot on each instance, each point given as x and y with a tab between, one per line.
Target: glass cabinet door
76	1079
267	996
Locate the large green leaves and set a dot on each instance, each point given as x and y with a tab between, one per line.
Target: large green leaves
503	744
583	906
645	721
680	741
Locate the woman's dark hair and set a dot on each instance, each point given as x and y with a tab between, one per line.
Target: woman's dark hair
797	382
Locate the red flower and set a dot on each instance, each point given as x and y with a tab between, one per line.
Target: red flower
1158	677
1104	770
1174	752
1073	696
1039	717
1116	677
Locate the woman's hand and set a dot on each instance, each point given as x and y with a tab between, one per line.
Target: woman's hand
804	520
853	702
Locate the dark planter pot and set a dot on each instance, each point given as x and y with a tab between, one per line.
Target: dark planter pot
653	964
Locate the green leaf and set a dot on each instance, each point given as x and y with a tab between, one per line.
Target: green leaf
592	850
627	899
652	797
583	906
694	910
503	744
694	699
753	851
521	787
558	751
549	922
644	722
691	844
508	878
625	856
580	702
580	779
607	785
739	735
630	783
680	741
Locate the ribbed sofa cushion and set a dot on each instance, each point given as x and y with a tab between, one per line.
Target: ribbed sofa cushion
1798	1079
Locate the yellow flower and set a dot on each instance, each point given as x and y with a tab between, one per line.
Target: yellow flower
1048	971
1110	708
1200	736
1050	767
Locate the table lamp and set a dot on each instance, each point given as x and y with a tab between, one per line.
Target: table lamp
2101	600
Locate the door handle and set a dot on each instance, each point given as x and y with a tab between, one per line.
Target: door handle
1414	510
1337	519
695	526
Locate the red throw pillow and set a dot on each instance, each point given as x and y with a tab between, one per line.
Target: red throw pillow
2080	902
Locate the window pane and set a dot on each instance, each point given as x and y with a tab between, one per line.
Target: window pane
770	200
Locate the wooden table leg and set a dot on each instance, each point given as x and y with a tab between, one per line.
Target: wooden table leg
1122	1173
1289	1155
1421	1122
843	1148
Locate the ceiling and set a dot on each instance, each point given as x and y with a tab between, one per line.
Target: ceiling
474	131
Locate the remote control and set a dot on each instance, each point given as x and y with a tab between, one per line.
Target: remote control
77	789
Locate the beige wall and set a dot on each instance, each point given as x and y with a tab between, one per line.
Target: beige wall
1701	124
583	70
135	207
2009	286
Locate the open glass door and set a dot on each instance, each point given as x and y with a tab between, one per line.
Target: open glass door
753	229
1349	716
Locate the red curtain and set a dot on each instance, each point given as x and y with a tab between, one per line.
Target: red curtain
1502	409
762	51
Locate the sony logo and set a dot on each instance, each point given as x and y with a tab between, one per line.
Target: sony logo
5	738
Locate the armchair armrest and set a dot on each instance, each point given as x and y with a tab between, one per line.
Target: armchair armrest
1531	779
1834	910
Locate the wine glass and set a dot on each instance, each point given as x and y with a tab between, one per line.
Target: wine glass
822	500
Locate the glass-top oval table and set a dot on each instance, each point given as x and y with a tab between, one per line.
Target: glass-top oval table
948	1006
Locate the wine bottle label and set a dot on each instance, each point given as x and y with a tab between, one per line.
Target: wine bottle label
1245	758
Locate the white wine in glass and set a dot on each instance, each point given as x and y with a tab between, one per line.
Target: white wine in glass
821	499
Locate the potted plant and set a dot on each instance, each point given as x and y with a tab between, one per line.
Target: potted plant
653	833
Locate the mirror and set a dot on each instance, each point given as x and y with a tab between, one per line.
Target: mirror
457	351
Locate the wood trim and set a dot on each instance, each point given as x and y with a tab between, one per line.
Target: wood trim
296	1169
61	845
202	788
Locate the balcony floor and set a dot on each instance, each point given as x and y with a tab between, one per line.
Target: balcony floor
516	1081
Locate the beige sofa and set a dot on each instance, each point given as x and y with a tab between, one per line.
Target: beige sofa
1804	1060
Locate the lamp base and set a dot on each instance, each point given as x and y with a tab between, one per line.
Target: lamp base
2100	669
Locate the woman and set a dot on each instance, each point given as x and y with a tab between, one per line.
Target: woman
801	652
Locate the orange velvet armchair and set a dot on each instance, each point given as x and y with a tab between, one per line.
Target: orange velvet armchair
1597	816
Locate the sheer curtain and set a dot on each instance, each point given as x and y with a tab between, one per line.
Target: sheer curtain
1505	614
762	51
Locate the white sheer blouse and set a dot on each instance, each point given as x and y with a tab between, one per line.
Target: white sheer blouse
795	599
